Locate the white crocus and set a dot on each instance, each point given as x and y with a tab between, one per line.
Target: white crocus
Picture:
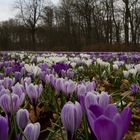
32	69
126	73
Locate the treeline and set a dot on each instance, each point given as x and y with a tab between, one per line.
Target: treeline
72	25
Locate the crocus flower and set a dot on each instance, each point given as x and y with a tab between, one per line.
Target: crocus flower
70	73
58	67
17	76
68	86
134	88
81	89
91	86
35	70
3	128
22	118
16	66
8	70
8	82
10	102
49	78
109	124
71	116
57	84
34	91
104	118
32	131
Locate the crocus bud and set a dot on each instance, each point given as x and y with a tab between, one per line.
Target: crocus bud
49	78
71	116
68	87
3	128
22	118
34	91
134	88
32	131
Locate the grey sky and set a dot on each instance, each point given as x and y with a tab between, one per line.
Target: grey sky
7	11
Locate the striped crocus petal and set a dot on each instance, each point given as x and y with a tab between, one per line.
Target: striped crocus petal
32	131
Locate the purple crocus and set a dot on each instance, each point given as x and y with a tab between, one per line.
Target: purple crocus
71	116
8	70
104	118
57	84
58	67
91	86
32	131
68	86
22	118
81	89
8	82
34	91
134	88
3	128
10	102
109	124
17	76
49	78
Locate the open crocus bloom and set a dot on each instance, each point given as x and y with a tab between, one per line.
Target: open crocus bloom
109	124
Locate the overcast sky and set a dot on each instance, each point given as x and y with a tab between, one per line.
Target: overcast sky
7	11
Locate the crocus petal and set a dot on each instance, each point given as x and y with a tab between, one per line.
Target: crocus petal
3	128
67	117
105	129
90	98
32	131
5	103
78	115
104	99
126	117
22	118
111	111
119	123
96	110
82	101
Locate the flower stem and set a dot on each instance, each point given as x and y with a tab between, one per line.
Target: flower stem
85	127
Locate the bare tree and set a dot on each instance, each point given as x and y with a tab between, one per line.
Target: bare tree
30	13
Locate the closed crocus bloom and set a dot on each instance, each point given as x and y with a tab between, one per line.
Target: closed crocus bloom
81	89
3	128
8	82
10	103
32	131
49	78
57	84
34	91
68	86
71	116
22	118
